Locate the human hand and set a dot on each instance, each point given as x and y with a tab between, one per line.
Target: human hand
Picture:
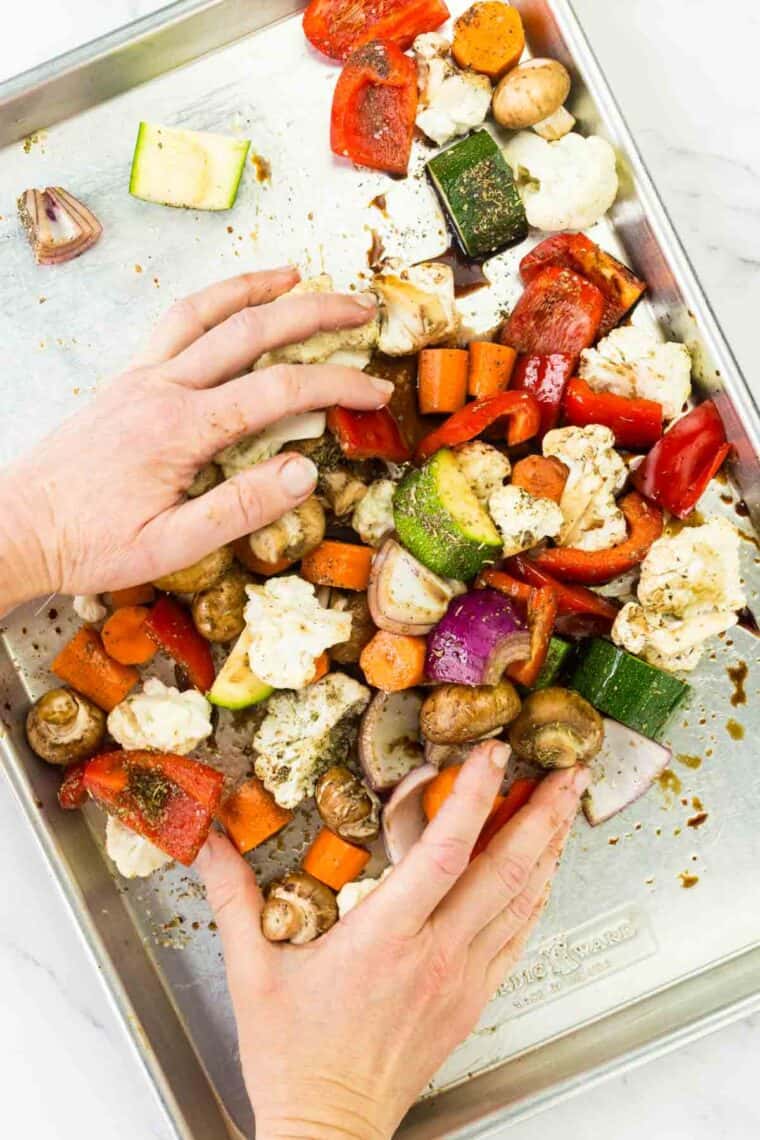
100	505
339	1036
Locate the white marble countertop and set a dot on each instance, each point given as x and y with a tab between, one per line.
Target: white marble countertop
685	74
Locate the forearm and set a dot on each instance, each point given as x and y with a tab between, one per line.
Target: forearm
24	572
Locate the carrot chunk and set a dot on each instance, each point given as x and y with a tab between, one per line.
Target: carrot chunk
85	665
333	861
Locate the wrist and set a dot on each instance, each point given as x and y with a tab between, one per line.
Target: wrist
336	1112
25	572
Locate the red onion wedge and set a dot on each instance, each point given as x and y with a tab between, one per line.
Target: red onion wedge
58	226
403	595
624	770
403	818
389	738
480	634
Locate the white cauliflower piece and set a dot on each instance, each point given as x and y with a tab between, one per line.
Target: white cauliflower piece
451	101
417	306
670	643
353	893
373	516
89	607
484	467
565	185
265	444
523	519
338	346
288	630
135	857
161	718
596	473
633	363
304	733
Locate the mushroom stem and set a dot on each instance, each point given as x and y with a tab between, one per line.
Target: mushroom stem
556	746
556	126
280	920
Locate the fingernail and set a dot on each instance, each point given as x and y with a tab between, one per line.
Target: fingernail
581	779
499	756
385	388
366	300
298	476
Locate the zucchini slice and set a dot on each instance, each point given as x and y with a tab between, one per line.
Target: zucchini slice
478	192
195	169
236	687
556	659
626	688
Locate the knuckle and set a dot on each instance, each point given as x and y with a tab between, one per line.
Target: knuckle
248	502
449	856
286	381
512	873
522	907
244	324
183	312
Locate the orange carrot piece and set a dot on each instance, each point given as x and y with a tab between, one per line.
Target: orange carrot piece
132	596
442	380
333	861
84	664
251	815
438	791
490	368
244	554
124	636
344	565
393	661
544	477
322	666
489	38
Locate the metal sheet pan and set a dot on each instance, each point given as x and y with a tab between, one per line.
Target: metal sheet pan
627	962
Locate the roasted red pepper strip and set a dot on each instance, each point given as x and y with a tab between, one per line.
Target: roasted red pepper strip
545	377
542	613
374	107
594	567
620	287
472	420
560	311
679	467
517	797
171	627
337	27
571	600
505	584
170	800
368	435
72	793
636	423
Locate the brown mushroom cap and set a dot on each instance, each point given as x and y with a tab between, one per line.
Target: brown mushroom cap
557	728
347	806
291	537
63	727
200	575
530	93
298	909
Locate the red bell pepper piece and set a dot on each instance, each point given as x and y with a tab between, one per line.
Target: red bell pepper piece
171	627
542	613
337	27
170	800
72	793
374	107
560	311
368	435
636	423
594	567
517	797
679	467
499	580
571	600
620	287
545	377
471	421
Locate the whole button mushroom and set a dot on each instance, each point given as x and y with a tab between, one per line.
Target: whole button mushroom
298	909
63	727
347	806
532	95
557	728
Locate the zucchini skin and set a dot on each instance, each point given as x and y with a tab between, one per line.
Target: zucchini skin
626	688
556	659
478	192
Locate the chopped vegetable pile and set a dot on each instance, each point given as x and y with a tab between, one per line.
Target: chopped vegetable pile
503	562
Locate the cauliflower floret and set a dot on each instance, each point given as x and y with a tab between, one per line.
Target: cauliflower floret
565	185
631	362
288	630
670	643
452	102
161	718
484	467
89	607
135	857
693	572
523	519
354	893
591	518
373	516
338	346
417	306
257	448
304	733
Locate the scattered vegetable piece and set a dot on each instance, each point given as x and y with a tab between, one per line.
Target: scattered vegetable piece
545	377
389	738
517	796
481	634
393	661
338	27
368	435
541	615
298	909
559	312
321	667
204	573
570	599
58	226
85	665
636	423
455	714
251	815
442	380
72	793
347	806
488	38
334	861
237	686
143	595
436	793
63	726
344	565
624	769
374	106
677	470
556	728
219	611
403	818
404	596
520	408
242	550
491	368
541	476
532	95
556	659
124	636
194	169
565	184
172	628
